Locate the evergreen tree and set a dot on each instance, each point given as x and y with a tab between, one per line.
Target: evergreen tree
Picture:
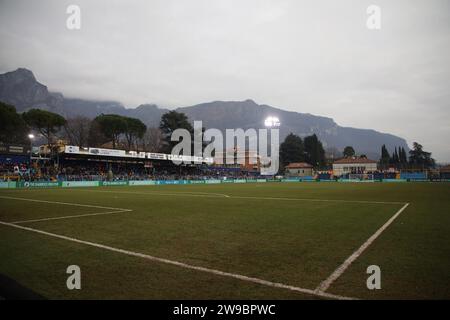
12	126
112	127
45	122
402	160
170	122
395	157
385	157
135	130
292	150
315	154
420	158
349	152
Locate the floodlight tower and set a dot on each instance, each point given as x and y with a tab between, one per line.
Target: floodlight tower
31	138
272	122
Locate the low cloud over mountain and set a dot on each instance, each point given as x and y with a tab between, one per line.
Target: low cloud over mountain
21	89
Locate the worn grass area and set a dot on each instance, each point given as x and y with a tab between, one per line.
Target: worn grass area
271	231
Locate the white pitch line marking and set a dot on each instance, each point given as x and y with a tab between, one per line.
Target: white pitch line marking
324	285
184	265
63	203
116	210
201	193
157	193
69	217
215	195
317	200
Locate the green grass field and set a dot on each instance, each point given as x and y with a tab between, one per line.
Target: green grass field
294	234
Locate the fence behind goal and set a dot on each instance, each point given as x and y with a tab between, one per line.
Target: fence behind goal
360	176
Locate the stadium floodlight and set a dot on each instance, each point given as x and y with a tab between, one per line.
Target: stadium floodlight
272	122
31	136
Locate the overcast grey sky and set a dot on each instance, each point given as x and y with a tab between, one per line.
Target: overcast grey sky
308	56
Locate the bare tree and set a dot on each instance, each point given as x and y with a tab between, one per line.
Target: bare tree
77	130
153	140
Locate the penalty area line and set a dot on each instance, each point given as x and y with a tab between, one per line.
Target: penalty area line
113	210
184	265
63	203
70	217
324	285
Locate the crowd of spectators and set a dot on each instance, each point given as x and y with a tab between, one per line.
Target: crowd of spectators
103	171
13	170
96	171
25	172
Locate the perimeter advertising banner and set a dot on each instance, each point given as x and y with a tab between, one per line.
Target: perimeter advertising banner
197	181
73	184
134	154
142	183
213	181
8	185
172	182
71	149
104	152
38	184
107	152
113	183
70	184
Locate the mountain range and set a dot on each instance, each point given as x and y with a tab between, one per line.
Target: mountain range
21	89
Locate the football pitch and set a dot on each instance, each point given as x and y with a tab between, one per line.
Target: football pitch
230	241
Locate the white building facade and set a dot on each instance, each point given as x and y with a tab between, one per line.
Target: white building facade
354	165
299	169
